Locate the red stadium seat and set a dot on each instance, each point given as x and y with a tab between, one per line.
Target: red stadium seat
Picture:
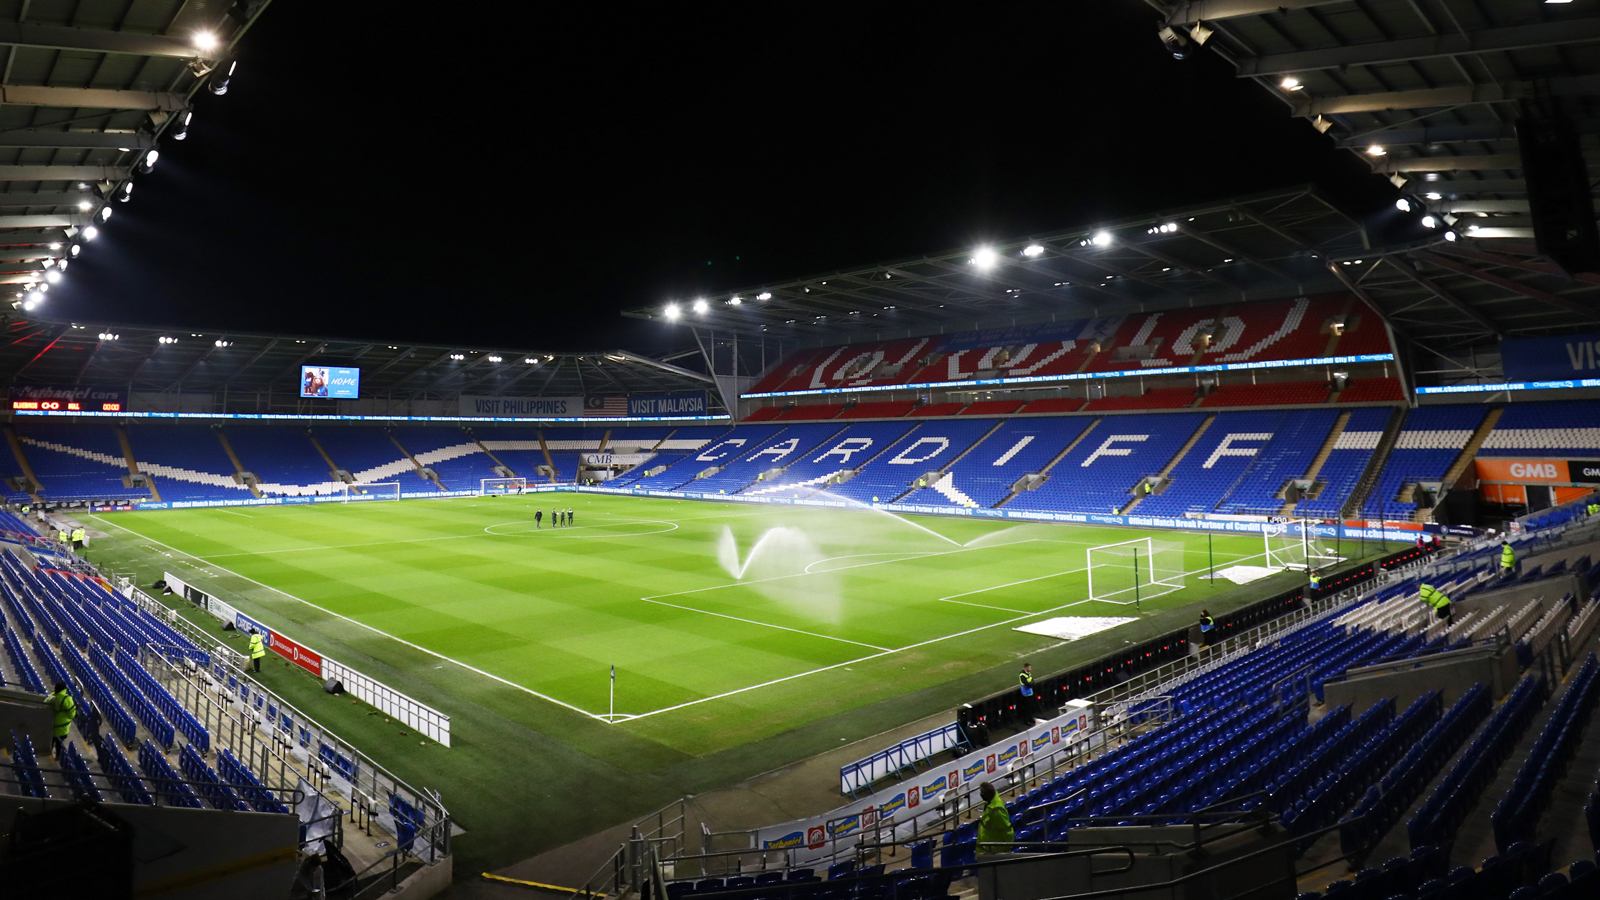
889	409
1372	390
764	414
1053	405
1282	393
1159	398
805	412
937	409
992	408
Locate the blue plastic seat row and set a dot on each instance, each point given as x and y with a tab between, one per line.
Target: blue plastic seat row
1517	814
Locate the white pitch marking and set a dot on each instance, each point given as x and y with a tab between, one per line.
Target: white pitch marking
379	631
814	634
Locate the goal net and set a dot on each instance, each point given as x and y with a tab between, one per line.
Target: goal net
383	490
489	486
1135	570
1297	552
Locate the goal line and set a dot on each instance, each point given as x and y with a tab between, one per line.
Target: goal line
379	490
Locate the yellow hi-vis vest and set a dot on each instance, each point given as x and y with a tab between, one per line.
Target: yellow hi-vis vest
256	649
1433	597
1507	558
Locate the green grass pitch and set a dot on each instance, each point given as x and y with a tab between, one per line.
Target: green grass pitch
740	633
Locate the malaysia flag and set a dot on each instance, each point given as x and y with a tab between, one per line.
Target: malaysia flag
605	406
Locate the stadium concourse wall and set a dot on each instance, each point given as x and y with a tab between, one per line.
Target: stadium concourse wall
423	718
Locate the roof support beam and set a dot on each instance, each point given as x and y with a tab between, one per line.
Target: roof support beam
78	140
1449	134
1450	299
1217	10
1490	40
77	220
1173	261
250	362
1361	292
1389	164
1459	95
1582	310
665	367
49	198
1526	265
1263	265
62	173
90	98
62	37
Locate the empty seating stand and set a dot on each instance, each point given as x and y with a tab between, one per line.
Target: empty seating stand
1282	393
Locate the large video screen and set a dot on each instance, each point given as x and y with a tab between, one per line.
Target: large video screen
330	381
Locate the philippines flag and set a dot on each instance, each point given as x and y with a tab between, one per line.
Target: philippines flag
605	406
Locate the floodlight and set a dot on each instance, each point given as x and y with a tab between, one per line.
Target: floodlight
91	233
1175	41
84	206
1102	238
52	275
1376	150
219	78
1032	250
1450	235
47	263
700	306
150	160
734	301
105	213
182	131
764	295
671	311
221	343
30	303
1429	222
205	41
55	246
984	258
1200	33
44	288
1397	180
1291	83
1434	195
493	358
127	192
1321	125
62	265
75	250
1403	205
530	361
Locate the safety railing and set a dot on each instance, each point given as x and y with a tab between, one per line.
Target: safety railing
228	726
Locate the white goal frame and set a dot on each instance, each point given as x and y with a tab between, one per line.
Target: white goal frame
1144	574
488	486
378	490
1302	552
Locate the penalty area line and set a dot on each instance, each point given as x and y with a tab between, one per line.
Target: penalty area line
377	631
707	612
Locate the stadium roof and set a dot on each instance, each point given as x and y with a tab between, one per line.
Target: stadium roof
1425	92
42	352
87	90
1439	291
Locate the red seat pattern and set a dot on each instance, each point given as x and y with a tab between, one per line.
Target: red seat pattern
887	409
1280	393
1053	405
1372	390
992	408
1160	398
810	412
937	409
764	414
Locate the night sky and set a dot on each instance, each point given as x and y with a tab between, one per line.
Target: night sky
516	181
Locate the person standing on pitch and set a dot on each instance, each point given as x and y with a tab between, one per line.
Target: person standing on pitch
1508	557
257	650
538	518
1030	704
571	514
60	700
1436	599
995	834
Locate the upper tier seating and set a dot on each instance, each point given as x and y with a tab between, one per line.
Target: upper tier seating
1372	390
991	408
1562	429
1343	468
186	461
985	474
567	445
1275	393
850	449
764	414
76	461
674	447
1160	398
1285	329
888	409
1099	474
1052	405
1431	439
932	446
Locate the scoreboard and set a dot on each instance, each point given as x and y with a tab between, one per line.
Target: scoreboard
68	405
49	398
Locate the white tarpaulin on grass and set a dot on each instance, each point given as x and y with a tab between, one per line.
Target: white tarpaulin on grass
1070	628
1244	574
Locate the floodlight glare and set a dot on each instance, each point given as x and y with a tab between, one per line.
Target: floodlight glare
1450	235
1032	250
671	311
1434	195
52	275
150	160
1102	238
55	246
75	250
44	288
734	301
1403	205
30	303
62	265
493	358
105	213
1376	150
700	306
84	206
1429	222
1291	83
204	41
91	233
764	295
984	258
127	192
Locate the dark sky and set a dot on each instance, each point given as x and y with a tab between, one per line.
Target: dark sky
518	179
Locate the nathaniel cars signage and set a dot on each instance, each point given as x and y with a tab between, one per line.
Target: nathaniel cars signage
53	398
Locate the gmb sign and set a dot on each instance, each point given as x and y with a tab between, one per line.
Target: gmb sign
1584	471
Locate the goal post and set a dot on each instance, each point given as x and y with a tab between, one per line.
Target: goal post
382	490
1132	571
1300	552
491	486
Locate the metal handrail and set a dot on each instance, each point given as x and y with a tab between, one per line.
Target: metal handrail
287	795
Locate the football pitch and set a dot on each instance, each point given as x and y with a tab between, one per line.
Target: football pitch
726	622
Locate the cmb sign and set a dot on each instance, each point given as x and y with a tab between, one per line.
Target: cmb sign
616	459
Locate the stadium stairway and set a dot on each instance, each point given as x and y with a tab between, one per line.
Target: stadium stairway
240	472
1166	470
1468	454
945	468
1375	464
21	457
1321	459
1047	467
